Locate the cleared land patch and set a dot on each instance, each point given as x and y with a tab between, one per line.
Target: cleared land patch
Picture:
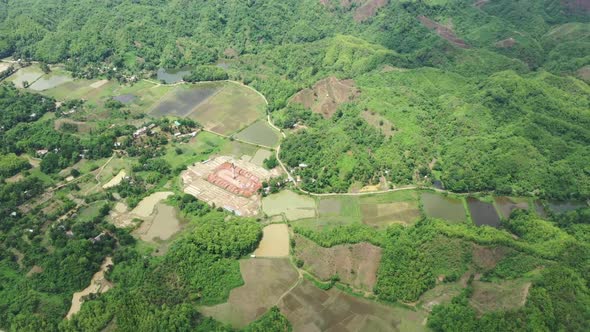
275	241
326	95
507	295
260	156
356	264
265	280
443	31
115	180
379	122
309	308
98	284
289	204
259	133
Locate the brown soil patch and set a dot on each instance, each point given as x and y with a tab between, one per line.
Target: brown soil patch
309	308
356	264
275	241
379	122
326	95
486	258
506	43
443	31
34	270
98	284
577	5
584	73
363	9
507	295
480	3
265	281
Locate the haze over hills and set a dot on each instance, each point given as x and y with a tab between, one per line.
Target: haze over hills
431	159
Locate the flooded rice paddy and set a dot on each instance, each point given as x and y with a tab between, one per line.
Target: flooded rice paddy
506	205
483	213
183	101
275	241
443	207
125	99
50	82
164	224
259	133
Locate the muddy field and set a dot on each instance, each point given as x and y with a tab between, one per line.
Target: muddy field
146	207
326	95
162	226
275	241
356	265
265	281
309	308
289	204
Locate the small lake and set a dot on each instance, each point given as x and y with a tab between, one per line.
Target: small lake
171	76
506	205
483	213
442	207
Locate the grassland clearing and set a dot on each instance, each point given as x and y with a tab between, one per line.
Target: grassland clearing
309	308
326	95
259	133
293	206
506	295
355	265
275	241
260	156
379	122
197	149
265	281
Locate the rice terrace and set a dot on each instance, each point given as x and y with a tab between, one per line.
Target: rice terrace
289	165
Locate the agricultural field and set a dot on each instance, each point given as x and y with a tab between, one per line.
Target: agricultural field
184	99
392	208
506	295
28	75
265	281
355	264
309	308
259	133
443	207
289	204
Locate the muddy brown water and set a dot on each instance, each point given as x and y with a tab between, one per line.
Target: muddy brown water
442	207
483	213
165	224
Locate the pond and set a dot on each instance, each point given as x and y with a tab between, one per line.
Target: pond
438	184
442	207
171	76
483	213
506	205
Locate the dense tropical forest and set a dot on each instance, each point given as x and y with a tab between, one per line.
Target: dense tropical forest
488	97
